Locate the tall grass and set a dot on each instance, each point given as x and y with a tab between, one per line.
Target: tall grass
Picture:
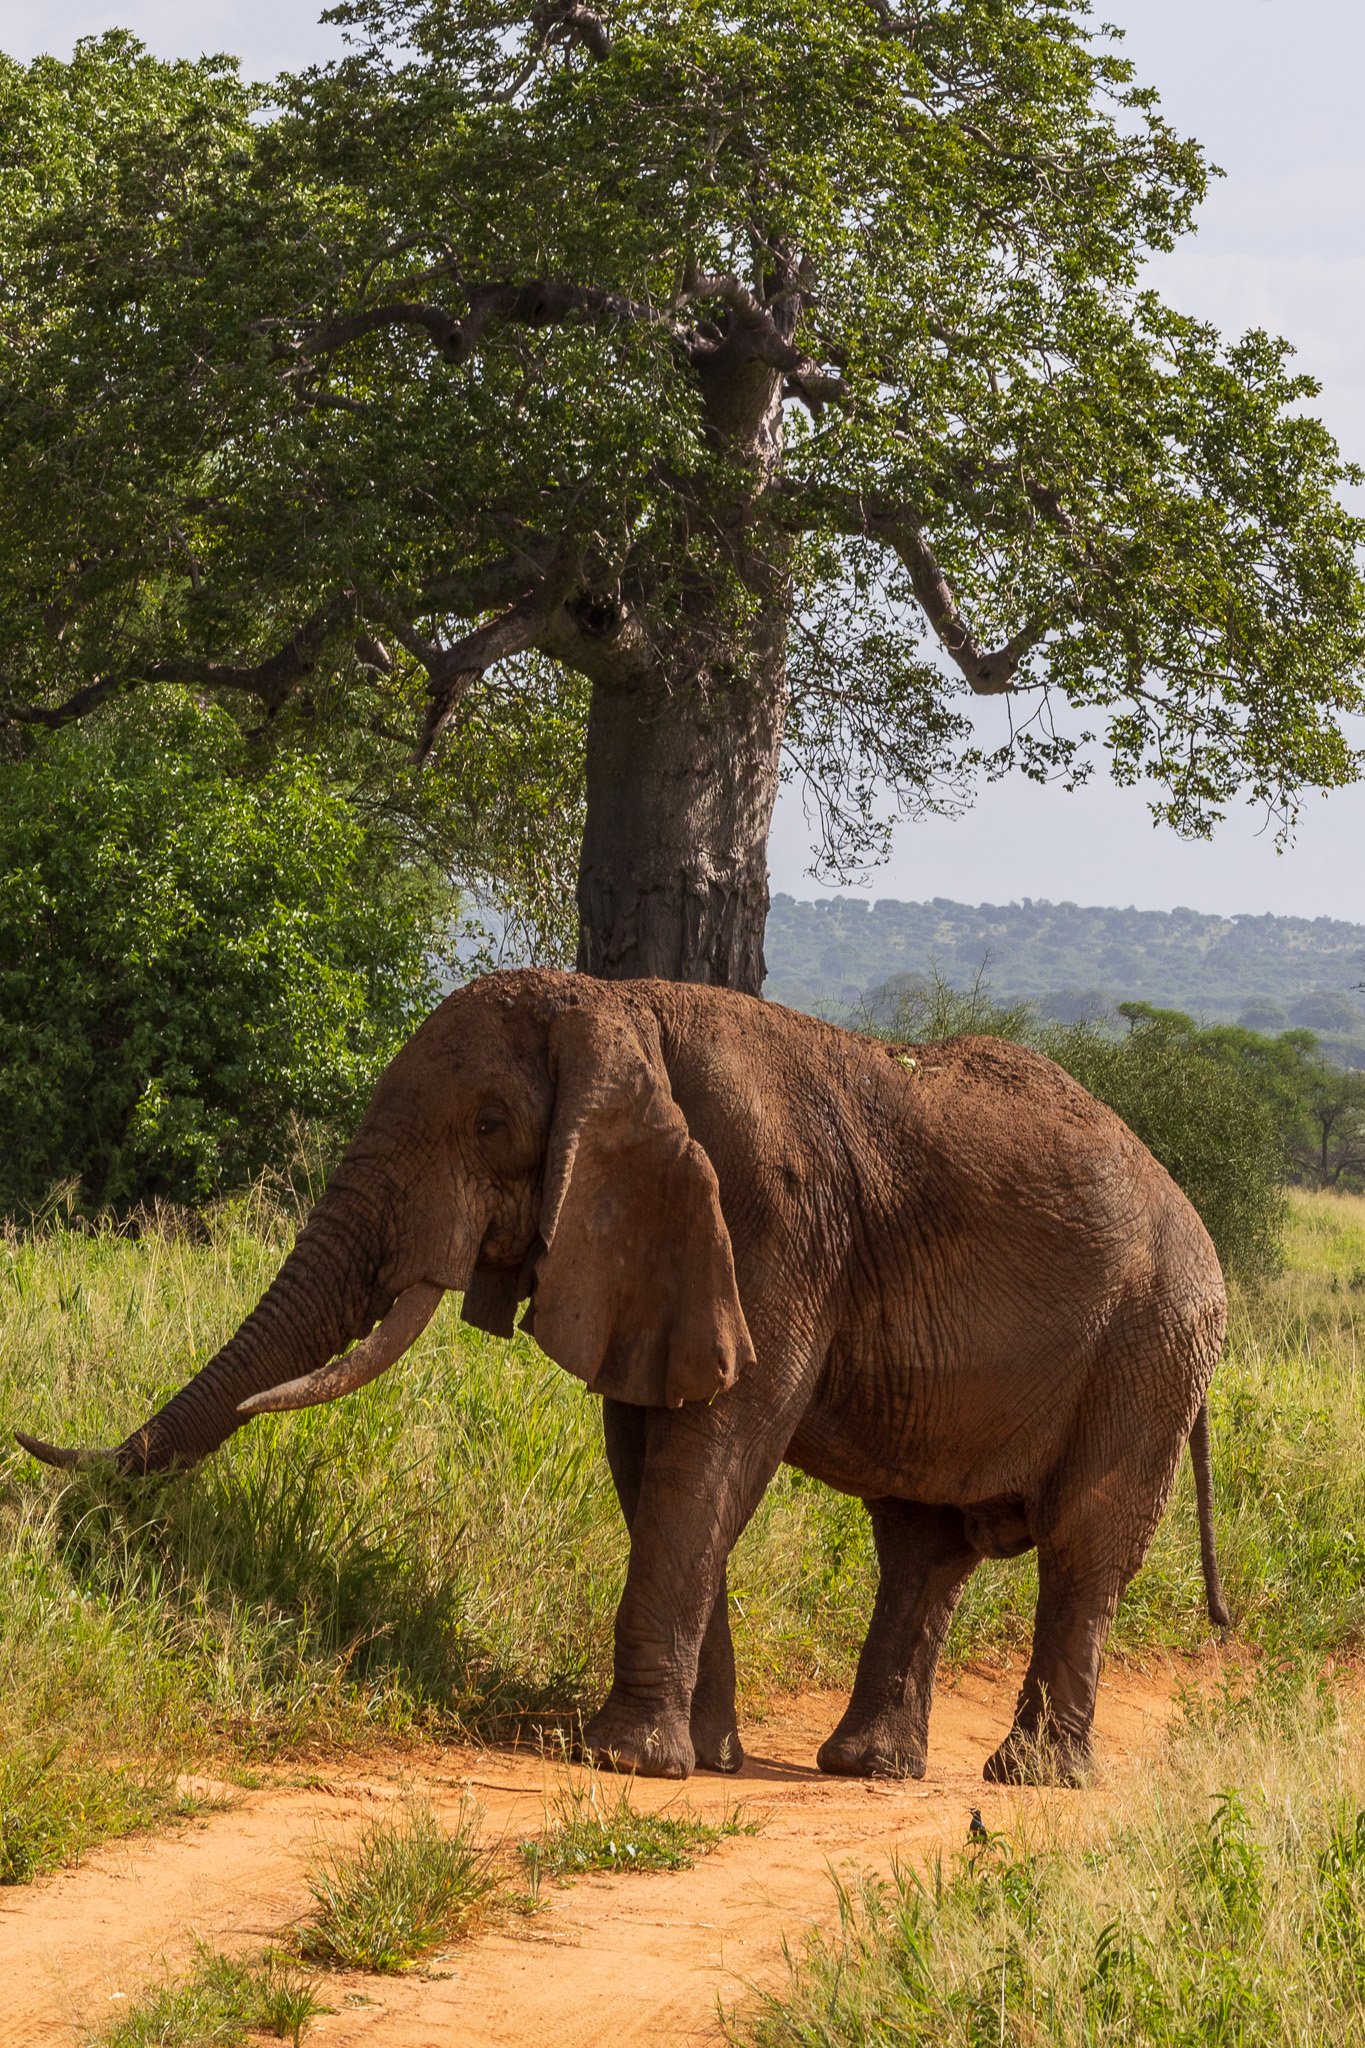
443	1551
1218	1898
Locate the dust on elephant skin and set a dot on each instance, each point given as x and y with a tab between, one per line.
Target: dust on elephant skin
942	1278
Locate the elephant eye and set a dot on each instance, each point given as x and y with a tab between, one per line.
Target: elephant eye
490	1121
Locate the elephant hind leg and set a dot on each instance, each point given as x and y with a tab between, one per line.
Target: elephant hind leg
925	1559
1095	1527
1049	1743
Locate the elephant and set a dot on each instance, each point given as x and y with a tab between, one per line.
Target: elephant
942	1278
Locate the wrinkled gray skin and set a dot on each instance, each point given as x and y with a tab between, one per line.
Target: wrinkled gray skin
945	1280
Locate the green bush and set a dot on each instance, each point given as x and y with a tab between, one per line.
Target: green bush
195	955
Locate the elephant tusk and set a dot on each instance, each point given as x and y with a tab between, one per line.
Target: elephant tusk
65	1461
401	1327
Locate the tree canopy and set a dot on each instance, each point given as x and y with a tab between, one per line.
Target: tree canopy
787	373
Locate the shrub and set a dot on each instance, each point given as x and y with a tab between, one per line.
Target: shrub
196	953
223	2001
406	1887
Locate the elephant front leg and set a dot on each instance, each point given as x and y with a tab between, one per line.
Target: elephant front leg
712	1721
699	1482
924	1561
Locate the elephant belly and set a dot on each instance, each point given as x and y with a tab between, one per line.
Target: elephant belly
984	1430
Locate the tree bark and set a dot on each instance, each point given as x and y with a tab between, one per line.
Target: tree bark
689	696
682	773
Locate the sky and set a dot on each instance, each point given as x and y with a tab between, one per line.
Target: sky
1271	87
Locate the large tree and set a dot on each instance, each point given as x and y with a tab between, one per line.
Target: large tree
777	377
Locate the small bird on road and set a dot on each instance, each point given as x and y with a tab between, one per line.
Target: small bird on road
976	1827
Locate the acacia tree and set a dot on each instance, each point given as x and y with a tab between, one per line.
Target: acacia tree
783	375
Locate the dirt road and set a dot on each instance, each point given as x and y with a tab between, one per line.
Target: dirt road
619	1959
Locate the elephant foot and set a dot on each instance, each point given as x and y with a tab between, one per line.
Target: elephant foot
620	1738
717	1747
1042	1756
891	1745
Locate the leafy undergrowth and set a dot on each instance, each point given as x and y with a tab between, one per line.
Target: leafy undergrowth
441	1554
586	1832
1173	1910
220	2003
406	1887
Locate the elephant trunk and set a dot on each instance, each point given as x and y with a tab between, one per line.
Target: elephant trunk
322	1297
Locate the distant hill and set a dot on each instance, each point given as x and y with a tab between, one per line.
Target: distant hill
1268	972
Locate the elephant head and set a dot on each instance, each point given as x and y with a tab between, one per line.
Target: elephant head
524	1141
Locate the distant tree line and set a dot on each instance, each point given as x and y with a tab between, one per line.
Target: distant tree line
1316	1109
1271	974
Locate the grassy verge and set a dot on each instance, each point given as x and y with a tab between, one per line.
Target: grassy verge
53	1804
221	2001
443	1552
1180	1909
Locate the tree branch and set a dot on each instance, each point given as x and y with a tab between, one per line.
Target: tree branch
453	670
541	303
751	333
78	705
527	584
815	388
270	680
990	673
570	25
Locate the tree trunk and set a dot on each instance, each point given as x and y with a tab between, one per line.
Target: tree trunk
689	695
682	773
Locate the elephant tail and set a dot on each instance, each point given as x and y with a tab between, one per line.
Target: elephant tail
1201	1458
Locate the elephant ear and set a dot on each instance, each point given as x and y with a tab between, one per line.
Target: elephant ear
635	1290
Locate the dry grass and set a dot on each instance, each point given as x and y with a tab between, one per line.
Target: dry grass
1217	1899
